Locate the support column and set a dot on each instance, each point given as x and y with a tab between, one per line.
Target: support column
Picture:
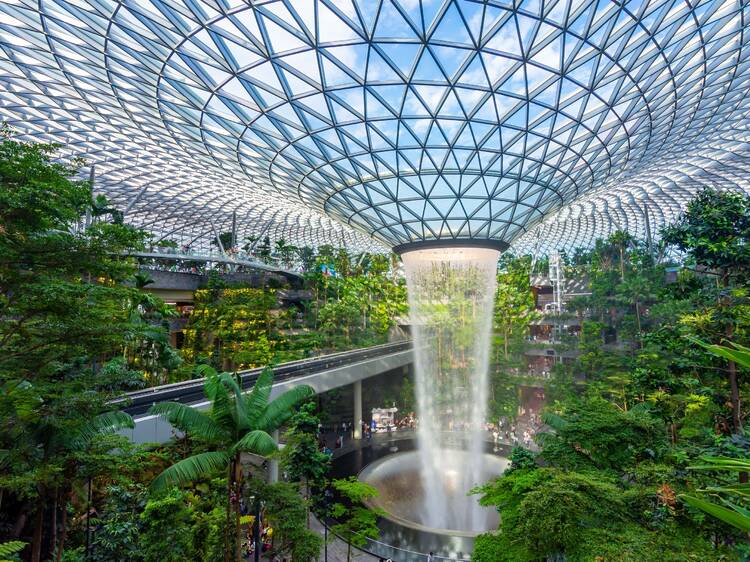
273	464
358	410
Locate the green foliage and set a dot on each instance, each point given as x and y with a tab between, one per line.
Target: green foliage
119	526
233	327
49	312
287	515
715	230
549	513
166	534
521	459
237	423
356	304
10	549
301	456
514	303
594	433
208	534
356	523
735	497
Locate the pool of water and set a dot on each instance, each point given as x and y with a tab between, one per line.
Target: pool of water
390	466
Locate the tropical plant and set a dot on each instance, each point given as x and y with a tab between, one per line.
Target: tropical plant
285	252
142	279
730	512
301	456
356	523
734	508
10	548
167	523
51	450
287	515
715	232
236	423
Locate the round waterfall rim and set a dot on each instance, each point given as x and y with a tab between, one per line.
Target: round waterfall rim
373	504
437	243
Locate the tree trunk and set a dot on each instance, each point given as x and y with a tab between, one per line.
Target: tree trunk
20	523
53	538
63	530
227	550
638	316
237	479
735	397
731	366
734	394
36	540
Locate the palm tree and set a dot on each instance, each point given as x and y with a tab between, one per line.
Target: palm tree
58	450
286	252
636	291
734	498
620	239
142	279
236	423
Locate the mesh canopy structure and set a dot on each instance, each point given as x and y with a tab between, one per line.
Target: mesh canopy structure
373	123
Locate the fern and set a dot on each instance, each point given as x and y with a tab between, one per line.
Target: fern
8	549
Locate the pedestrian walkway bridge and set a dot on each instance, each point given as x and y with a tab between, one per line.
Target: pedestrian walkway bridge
321	373
190	256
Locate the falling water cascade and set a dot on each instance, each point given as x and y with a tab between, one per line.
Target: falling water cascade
451	299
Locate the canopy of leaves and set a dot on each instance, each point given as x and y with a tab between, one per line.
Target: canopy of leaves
594	433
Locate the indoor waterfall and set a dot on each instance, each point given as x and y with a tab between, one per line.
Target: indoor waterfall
451	300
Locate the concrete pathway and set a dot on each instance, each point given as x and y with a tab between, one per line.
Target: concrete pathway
337	547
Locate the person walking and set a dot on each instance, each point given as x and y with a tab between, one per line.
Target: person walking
430	557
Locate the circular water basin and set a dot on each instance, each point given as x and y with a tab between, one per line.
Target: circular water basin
403	499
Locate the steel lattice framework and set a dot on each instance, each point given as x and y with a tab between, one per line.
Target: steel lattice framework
542	123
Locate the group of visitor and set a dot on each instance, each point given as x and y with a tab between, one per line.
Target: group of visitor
520	432
248	540
341	431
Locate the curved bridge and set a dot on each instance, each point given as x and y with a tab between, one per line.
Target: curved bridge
321	373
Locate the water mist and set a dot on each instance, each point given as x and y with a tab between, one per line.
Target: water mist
451	300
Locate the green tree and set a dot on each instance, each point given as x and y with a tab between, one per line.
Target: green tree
224	241
286	252
715	232
287	515
594	433
51	436
233	326
356	523
166	534
301	455
521	459
637	290
548	513
119	525
514	301
236	423
49	311
736	509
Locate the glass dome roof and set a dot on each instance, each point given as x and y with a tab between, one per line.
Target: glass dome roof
374	123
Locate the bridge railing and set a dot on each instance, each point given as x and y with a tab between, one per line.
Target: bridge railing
187	392
242	259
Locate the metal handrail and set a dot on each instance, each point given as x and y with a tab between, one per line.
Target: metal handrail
139	401
179	255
